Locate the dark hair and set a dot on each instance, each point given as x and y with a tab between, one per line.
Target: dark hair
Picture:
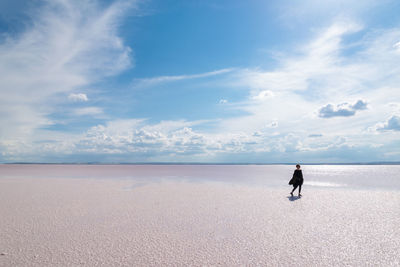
297	165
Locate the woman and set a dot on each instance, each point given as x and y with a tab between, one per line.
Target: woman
297	180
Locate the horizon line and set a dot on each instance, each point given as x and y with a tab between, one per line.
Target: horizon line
201	163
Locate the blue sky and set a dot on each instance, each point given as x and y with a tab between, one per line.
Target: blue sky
200	81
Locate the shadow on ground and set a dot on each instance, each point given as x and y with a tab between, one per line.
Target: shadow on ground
293	198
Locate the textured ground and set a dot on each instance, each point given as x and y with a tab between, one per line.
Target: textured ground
71	222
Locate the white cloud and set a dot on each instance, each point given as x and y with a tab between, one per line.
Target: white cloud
323	69
78	97
341	110
392	124
145	82
223	101
330	111
359	105
88	111
137	140
315	135
176	140
273	124
397	46
135	136
394	105
319	62
68	45
263	95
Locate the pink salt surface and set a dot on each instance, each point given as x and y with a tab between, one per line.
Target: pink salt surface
92	222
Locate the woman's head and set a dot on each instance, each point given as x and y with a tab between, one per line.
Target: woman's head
298	166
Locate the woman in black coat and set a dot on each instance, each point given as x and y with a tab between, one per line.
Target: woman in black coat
297	180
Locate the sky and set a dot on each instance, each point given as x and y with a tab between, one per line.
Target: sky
223	81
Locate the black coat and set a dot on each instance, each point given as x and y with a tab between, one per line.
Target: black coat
297	178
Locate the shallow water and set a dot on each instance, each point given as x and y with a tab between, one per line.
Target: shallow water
333	176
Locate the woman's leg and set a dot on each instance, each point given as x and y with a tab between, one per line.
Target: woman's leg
294	187
299	189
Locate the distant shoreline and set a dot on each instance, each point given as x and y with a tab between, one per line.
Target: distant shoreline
191	163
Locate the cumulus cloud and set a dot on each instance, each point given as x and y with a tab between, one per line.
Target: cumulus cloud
395	106
397	46
257	133
330	111
359	105
341	110
273	124
392	124
165	138
263	95
315	135
133	140
78	97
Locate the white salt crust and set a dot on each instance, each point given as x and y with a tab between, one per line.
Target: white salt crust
75	222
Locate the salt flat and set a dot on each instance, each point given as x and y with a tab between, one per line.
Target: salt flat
120	222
